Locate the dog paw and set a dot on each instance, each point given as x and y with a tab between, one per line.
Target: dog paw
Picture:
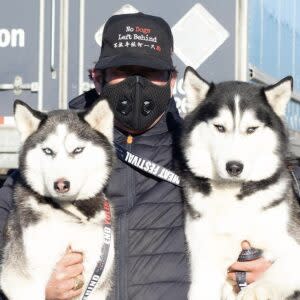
260	291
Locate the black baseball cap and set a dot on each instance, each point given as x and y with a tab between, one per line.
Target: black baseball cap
136	39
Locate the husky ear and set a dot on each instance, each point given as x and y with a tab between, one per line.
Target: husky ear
27	119
279	94
101	118
196	88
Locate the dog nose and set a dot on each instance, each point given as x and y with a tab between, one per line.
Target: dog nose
61	185
234	168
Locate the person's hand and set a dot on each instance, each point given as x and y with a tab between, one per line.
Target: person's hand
67	273
254	268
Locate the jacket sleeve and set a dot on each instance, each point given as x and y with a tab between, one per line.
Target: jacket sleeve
84	100
6	205
6	202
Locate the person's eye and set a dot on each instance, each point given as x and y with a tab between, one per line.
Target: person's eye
157	76
118	74
122	72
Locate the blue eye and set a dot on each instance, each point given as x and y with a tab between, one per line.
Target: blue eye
77	150
220	128
251	130
48	151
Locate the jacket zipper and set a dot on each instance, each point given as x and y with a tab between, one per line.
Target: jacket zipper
131	173
123	229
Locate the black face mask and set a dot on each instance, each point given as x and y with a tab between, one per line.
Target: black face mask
137	102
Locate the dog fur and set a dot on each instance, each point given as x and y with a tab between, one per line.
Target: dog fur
64	163
232	154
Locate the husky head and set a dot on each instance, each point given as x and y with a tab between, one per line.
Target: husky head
233	130
66	155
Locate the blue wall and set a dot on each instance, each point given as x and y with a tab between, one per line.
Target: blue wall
274	44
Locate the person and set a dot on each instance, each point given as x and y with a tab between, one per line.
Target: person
135	72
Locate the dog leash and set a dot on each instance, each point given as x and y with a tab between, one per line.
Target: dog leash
147	165
104	251
246	255
156	170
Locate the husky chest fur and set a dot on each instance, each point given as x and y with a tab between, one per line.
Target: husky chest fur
236	187
65	162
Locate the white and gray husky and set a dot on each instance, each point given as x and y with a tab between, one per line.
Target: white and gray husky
233	148
65	161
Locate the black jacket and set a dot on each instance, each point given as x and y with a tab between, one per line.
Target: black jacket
151	260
